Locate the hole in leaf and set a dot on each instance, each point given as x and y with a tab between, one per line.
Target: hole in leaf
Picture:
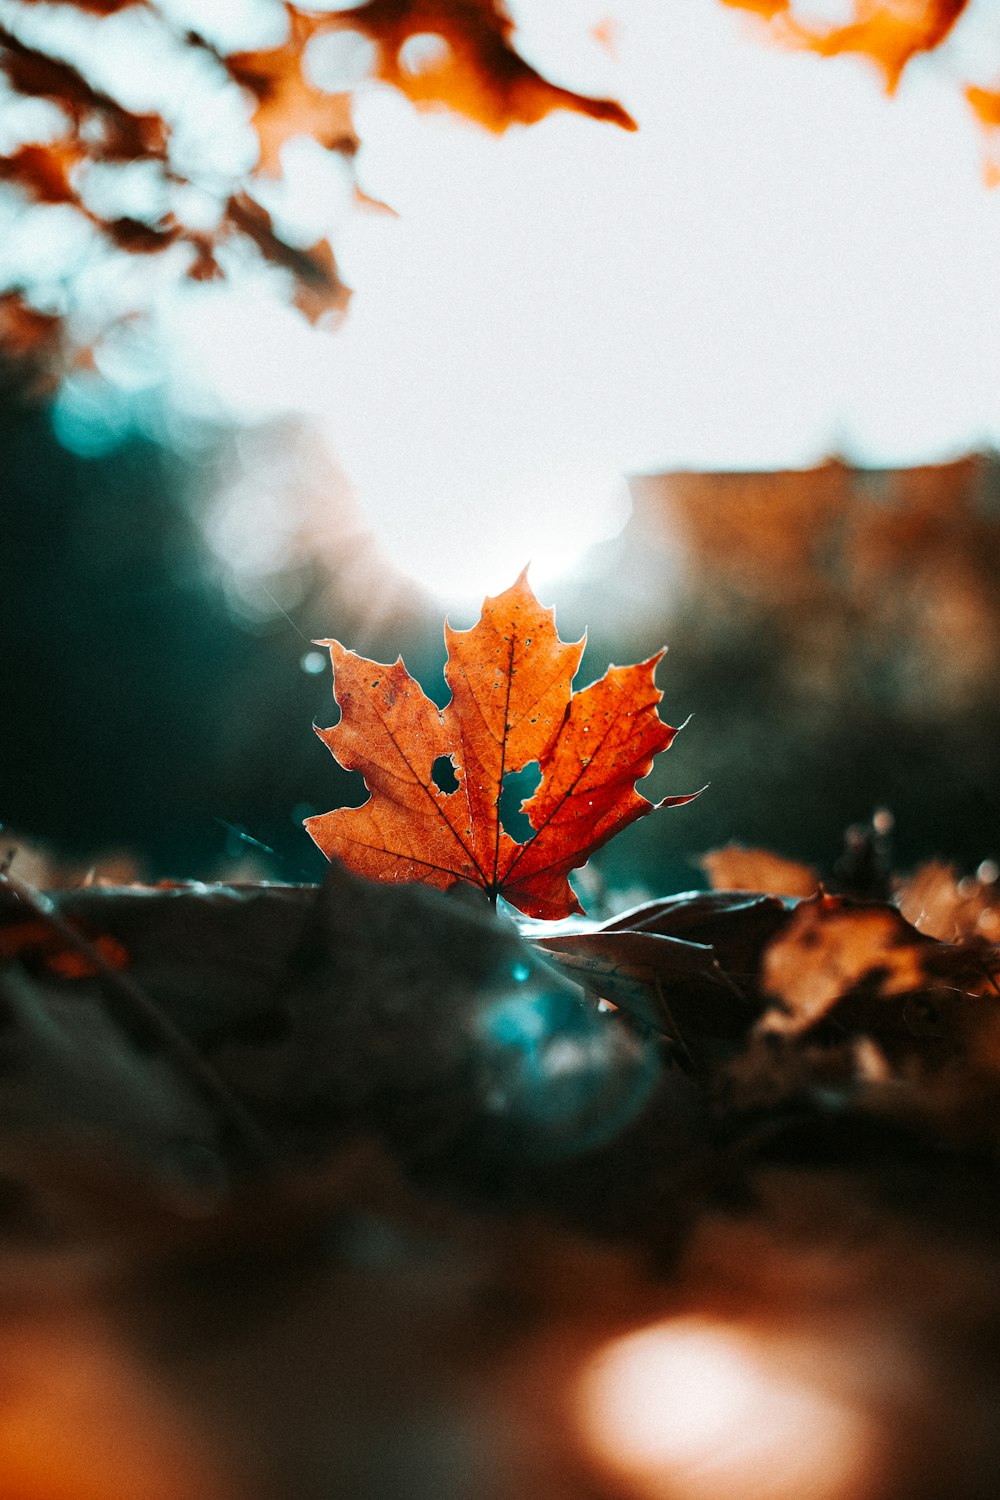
518	786
443	773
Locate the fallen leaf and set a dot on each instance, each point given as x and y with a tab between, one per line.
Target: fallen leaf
737	925
937	902
689	965
673	987
865	965
512	704
734	868
828	948
626	967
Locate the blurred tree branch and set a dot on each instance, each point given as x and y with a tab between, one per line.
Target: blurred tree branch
131	138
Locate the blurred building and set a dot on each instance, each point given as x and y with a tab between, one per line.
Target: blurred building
890	575
836	634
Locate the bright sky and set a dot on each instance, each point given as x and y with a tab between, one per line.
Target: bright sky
780	264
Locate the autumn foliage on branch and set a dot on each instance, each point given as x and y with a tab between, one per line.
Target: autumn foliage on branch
889	33
72	125
206	219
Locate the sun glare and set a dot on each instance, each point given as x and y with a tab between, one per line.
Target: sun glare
693	1410
764	274
548	518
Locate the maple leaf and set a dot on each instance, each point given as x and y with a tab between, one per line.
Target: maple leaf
512	704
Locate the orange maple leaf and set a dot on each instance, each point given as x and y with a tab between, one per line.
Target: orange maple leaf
512	704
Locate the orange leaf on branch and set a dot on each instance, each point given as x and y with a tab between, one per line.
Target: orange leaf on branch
288	104
471	64
458	55
890	32
512	705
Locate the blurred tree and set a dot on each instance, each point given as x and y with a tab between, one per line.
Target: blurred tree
836	633
149	706
147	138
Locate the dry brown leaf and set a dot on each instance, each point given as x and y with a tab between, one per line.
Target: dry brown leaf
734	868
866	970
318	292
44	171
828	948
628	967
940	904
471	65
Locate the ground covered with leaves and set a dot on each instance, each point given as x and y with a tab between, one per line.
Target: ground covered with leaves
343	1190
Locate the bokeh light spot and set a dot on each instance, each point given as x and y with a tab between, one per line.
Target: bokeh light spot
339	60
563	1076
695	1410
423	52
